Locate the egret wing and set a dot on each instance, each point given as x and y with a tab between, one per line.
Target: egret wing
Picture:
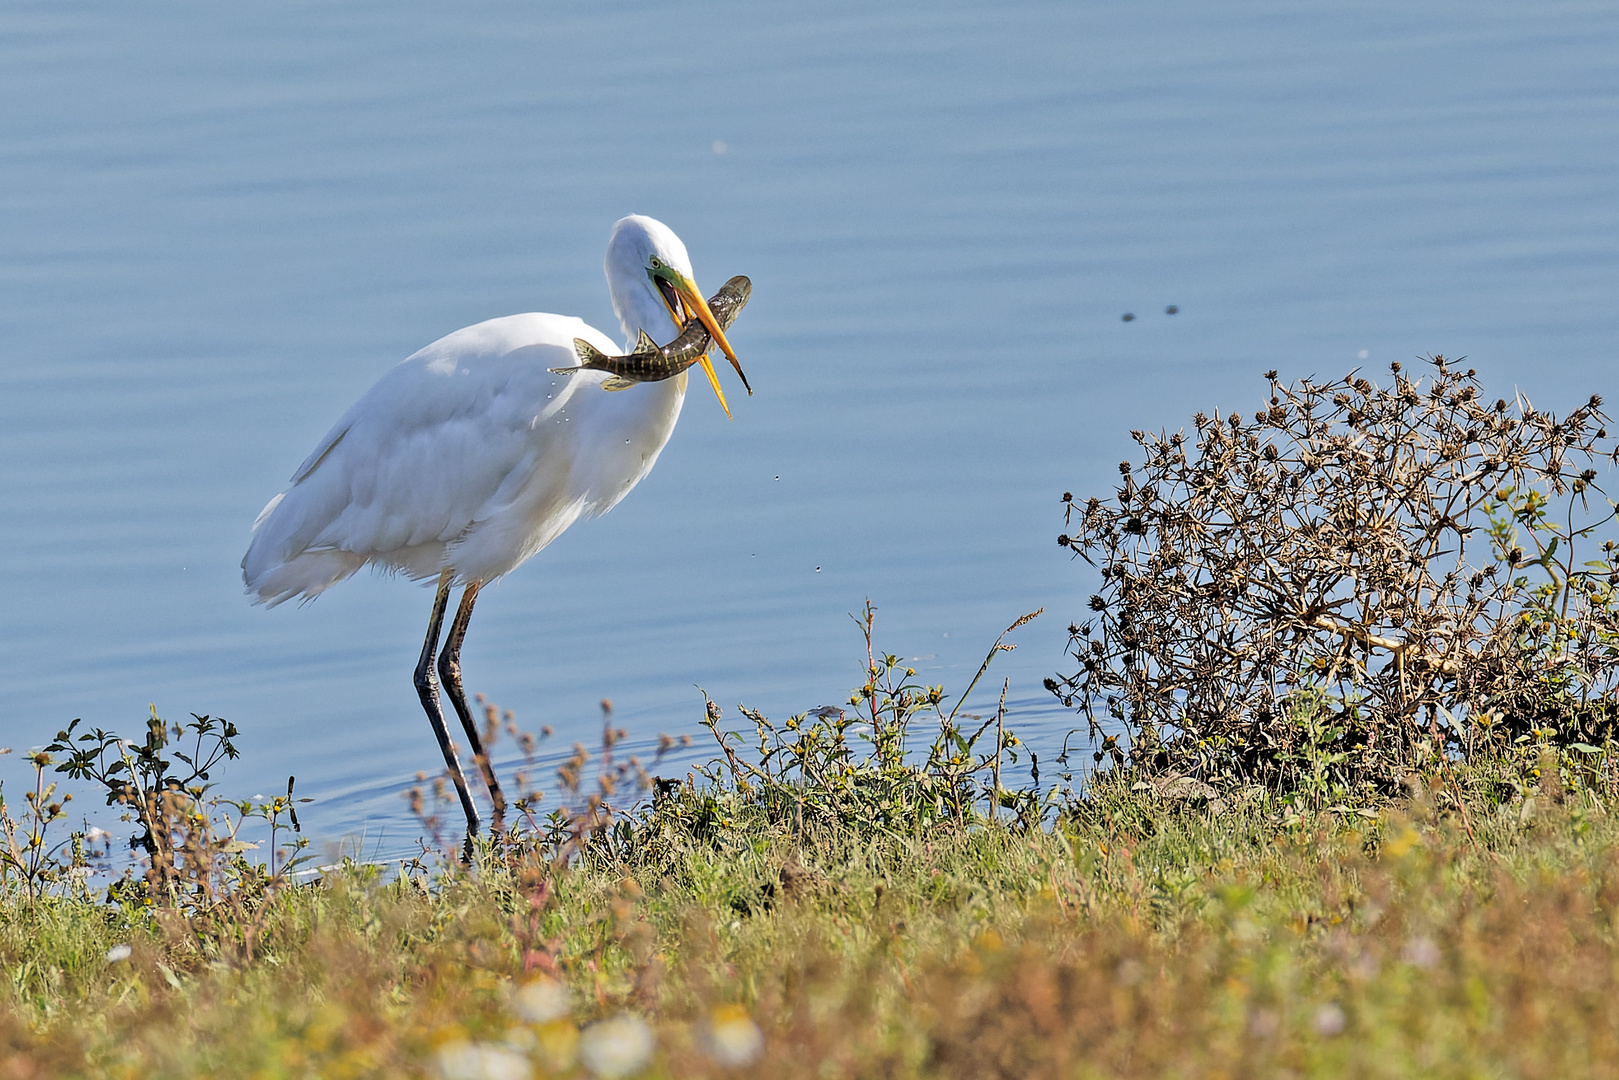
410	466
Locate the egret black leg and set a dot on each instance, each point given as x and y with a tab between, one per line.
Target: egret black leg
427	689
449	670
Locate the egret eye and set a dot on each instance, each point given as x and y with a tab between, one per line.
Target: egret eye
656	263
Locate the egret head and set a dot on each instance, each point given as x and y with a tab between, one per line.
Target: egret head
648	271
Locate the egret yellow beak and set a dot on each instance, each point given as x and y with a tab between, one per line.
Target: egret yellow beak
691	298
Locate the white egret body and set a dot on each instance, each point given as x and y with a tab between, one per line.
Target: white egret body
470	456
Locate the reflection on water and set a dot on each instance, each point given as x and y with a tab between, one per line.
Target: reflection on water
222	225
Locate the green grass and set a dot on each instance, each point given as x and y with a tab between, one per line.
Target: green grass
1464	933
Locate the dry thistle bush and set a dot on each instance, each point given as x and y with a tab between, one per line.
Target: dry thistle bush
1382	572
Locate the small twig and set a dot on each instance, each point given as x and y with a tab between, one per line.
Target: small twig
993	649
1000	743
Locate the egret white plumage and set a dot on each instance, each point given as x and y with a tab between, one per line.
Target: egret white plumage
471	455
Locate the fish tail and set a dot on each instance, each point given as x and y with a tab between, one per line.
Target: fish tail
589	355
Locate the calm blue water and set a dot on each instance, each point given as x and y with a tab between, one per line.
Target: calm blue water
219	225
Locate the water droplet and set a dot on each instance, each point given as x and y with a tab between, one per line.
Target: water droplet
1129	317
778	478
1171	310
817	569
1363	354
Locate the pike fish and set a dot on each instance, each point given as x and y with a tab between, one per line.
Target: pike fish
651	362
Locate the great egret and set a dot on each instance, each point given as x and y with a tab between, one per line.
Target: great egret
471	455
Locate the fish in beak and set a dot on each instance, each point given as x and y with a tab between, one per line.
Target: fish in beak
683	299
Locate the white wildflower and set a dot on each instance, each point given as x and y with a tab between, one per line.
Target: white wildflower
618	1047
1421	952
731	1037
482	1061
1329	1020
541	1001
118	953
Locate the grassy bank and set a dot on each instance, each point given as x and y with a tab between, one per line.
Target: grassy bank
1464	930
1354	698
